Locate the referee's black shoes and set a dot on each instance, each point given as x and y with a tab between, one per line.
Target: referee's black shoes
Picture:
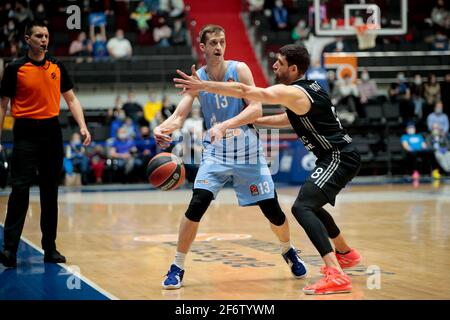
8	259
53	256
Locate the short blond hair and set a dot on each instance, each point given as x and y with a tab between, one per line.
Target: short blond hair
209	28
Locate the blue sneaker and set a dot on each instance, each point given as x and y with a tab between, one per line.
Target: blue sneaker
173	279
298	267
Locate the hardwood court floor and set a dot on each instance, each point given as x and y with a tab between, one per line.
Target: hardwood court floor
125	241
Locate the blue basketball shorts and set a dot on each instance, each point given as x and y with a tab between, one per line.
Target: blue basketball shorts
251	182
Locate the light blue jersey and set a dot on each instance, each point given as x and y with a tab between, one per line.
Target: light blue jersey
238	155
241	142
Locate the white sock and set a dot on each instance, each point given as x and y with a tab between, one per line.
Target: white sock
285	246
179	259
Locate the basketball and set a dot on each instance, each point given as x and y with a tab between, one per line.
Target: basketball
165	171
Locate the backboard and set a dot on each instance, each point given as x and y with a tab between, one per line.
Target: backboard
340	17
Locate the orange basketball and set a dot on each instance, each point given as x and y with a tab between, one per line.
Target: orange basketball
165	171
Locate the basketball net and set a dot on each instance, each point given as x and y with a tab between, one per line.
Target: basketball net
366	40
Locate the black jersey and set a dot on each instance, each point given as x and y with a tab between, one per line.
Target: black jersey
319	129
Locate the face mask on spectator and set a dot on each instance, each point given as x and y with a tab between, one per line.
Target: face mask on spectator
435	132
122	136
411	130
365	76
279	4
438	110
418	81
401	77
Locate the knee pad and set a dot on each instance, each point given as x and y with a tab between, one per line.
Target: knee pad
199	204
272	210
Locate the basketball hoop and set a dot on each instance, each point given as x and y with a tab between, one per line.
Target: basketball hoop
366	39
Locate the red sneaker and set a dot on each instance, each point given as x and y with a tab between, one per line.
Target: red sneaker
348	260
332	282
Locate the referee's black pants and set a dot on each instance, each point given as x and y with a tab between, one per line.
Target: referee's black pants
37	149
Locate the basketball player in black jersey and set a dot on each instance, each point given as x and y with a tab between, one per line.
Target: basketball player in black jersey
312	115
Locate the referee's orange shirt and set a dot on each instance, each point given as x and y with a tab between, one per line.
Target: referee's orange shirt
35	87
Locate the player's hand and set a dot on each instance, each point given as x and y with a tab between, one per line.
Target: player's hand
190	83
217	132
162	137
86	135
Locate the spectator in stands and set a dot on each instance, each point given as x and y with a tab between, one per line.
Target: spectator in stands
368	90
146	149
112	112
346	97
76	160
192	132
415	149
438	142
301	32
122	151
417	94
256	9
172	8
331	75
152	108
440	41
339	46
318	73
400	93
10	33
7	12
40	13
440	17
179	33
152	5
81	48
99	41
97	17
118	121
119	47
142	17
445	94
167	109
132	108
280	16
23	15
162	33
439	117
432	93
97	162
194	124
132	129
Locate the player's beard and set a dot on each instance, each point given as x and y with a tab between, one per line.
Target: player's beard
279	78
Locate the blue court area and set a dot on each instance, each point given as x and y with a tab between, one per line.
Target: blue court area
35	280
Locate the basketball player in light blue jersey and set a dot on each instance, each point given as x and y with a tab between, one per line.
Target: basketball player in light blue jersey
237	155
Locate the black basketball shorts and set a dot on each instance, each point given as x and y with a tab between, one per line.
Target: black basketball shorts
334	170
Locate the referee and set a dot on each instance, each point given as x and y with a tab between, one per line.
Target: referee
34	84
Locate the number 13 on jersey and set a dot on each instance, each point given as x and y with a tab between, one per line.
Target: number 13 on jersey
221	101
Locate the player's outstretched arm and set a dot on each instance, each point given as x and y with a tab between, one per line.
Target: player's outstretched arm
174	122
291	97
275	121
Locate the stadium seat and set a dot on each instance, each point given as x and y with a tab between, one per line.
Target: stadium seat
391	112
374	113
